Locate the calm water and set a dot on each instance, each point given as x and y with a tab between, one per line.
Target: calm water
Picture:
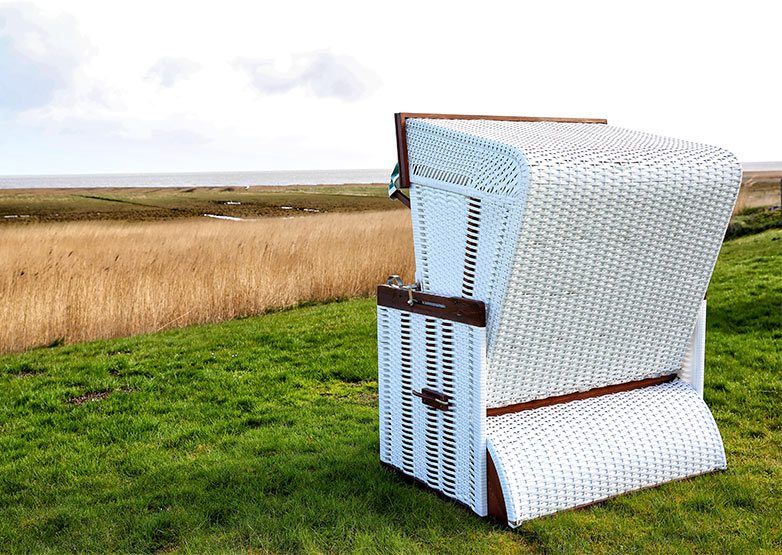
761	166
201	179
225	179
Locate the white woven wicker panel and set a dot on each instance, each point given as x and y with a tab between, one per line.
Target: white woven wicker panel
572	454
617	234
462	160
444	449
430	206
442	222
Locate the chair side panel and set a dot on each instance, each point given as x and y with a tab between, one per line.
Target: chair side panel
692	370
443	449
464	244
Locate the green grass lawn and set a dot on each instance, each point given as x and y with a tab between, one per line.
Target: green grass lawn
260	435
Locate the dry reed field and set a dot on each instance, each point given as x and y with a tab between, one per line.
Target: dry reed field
78	281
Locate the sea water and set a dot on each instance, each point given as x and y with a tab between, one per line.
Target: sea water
200	179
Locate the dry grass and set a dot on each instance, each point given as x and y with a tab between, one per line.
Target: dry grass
78	281
758	189
67	282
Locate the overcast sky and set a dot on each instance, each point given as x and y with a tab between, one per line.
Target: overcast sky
88	87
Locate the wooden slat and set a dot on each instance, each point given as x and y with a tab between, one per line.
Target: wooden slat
456	309
420	115
597	392
401	132
401	150
398	195
494	496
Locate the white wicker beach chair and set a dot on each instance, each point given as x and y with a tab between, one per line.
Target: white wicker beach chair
551	353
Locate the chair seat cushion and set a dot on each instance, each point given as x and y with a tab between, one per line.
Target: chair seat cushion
573	454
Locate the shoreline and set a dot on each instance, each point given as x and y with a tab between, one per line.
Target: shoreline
196	179
185	188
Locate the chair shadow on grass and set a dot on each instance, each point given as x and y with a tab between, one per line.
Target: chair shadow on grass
287	501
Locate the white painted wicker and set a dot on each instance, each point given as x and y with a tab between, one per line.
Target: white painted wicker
694	358
595	244
445	450
576	453
592	247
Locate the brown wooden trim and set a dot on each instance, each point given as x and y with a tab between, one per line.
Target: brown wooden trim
400	196
421	115
597	392
456	309
494	496
434	399
401	150
400	119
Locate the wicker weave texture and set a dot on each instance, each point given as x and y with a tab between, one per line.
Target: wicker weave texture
572	454
595	244
444	449
477	231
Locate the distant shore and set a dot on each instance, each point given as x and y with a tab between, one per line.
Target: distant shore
44	205
197	179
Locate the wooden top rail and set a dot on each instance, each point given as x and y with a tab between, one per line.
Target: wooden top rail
401	132
456	309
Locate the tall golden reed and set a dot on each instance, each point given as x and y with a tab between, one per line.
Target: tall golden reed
81	281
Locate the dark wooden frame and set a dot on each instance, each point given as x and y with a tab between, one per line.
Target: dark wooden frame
495	499
456	309
400	119
596	392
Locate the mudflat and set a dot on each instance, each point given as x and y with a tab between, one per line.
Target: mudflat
169	203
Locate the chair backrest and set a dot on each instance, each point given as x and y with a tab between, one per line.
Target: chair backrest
591	245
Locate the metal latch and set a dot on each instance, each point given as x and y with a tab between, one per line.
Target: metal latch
434	399
396	281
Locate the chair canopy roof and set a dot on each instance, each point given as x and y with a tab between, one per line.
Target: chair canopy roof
592	245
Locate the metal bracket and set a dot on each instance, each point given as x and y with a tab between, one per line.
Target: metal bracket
394	190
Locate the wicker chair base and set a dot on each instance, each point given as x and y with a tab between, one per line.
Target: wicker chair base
575	454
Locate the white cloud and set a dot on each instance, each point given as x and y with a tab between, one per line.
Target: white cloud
322	74
168	70
38	55
156	86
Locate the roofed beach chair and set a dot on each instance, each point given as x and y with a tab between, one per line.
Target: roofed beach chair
550	354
